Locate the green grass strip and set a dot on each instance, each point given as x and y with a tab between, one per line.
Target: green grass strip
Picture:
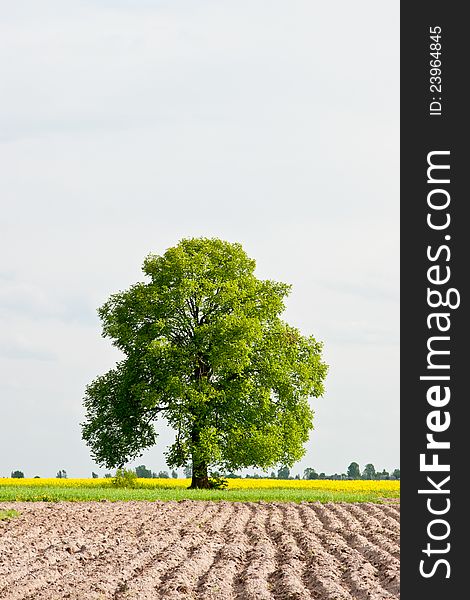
54	494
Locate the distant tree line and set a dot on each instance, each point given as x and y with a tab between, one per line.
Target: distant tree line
353	472
142	472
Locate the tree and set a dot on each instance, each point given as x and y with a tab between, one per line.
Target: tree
310	473
205	348
17	475
62	474
94	475
174	474
163	475
283	472
188	472
369	472
142	471
353	471
125	478
396	473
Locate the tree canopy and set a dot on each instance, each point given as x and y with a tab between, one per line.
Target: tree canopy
369	472
283	472
143	472
354	471
310	473
204	346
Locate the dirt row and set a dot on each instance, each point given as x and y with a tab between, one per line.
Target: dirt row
210	550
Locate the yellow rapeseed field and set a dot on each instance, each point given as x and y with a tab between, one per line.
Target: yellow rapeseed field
360	486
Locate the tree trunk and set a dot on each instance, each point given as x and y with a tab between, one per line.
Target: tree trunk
200	479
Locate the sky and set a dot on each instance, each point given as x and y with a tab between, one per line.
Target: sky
128	125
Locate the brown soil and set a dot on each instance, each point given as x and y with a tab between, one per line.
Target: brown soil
194	550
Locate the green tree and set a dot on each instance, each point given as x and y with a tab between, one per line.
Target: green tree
174	474
62	474
125	478
369	472
94	475
188	471
396	473
163	475
353	471
17	475
205	347
283	472
143	472
310	473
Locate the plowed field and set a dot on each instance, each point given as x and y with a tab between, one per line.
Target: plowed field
199	550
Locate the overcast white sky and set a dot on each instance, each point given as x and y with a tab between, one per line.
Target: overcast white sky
127	125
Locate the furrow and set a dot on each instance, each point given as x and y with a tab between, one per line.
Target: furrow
380	536
103	553
252	582
349	520
375	547
388	566
386	520
200	551
145	580
185	578
392	534
322	573
51	559
218	582
392	511
360	577
287	580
